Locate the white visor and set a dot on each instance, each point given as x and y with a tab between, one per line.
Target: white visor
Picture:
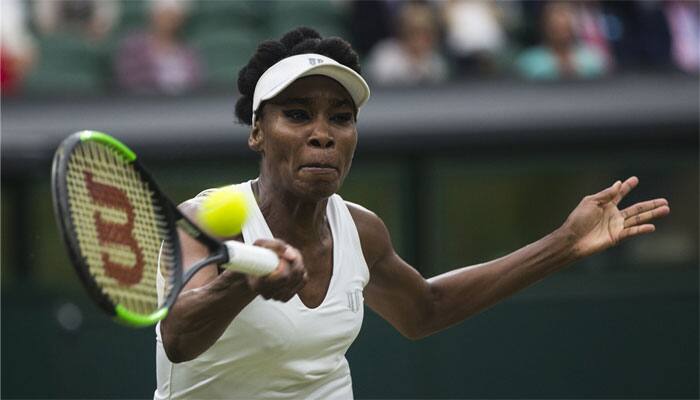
288	70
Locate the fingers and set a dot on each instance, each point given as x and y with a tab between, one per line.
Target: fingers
608	194
637	216
627	187
636	231
644	212
276	245
289	277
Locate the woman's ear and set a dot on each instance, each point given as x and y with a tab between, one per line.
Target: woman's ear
255	140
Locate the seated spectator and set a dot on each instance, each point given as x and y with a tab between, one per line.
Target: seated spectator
593	29
641	39
367	24
17	48
158	60
560	55
684	24
475	34
89	19
413	56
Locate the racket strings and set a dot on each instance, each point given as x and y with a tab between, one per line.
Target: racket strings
120	227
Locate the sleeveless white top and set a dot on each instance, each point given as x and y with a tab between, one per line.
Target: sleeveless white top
276	350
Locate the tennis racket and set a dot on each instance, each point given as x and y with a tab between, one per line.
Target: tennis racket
121	231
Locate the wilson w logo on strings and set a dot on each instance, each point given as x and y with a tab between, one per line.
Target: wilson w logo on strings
110	233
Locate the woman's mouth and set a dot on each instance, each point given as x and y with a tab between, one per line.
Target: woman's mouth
318	169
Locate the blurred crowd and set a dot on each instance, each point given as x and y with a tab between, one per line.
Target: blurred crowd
176	46
439	40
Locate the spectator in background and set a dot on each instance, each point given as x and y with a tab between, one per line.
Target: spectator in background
17	48
413	56
474	34
368	23
641	37
684	24
89	19
158	60
560	55
593	29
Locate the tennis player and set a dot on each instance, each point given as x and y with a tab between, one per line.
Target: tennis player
284	336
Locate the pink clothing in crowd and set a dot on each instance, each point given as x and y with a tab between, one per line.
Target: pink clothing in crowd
143	66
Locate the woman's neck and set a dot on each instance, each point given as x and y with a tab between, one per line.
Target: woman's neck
296	220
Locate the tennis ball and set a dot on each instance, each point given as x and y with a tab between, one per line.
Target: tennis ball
223	212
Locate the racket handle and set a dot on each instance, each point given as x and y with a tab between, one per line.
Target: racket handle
253	260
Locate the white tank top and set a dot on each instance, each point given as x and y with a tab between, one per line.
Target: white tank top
276	350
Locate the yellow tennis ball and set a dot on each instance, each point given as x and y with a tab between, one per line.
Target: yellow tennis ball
223	212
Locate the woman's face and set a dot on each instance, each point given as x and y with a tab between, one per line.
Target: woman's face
307	137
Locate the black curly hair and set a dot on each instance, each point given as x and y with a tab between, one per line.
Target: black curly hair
301	40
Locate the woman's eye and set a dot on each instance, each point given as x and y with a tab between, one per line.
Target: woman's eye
296	115
343	118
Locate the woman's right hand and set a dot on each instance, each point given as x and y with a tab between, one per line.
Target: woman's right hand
285	281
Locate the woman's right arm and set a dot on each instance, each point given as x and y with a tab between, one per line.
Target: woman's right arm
210	301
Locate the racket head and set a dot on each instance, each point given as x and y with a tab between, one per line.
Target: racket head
119	228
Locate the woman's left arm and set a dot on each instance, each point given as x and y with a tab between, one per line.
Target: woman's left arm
419	307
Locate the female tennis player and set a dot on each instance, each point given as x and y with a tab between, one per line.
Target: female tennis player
284	336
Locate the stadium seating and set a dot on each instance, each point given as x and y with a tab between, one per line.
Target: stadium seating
68	64
224	52
324	16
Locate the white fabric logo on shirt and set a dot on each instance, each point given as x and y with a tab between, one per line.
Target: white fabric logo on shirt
354	300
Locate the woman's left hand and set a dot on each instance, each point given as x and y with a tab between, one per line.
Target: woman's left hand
597	223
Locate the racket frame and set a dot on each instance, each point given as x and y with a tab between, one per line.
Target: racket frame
173	217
